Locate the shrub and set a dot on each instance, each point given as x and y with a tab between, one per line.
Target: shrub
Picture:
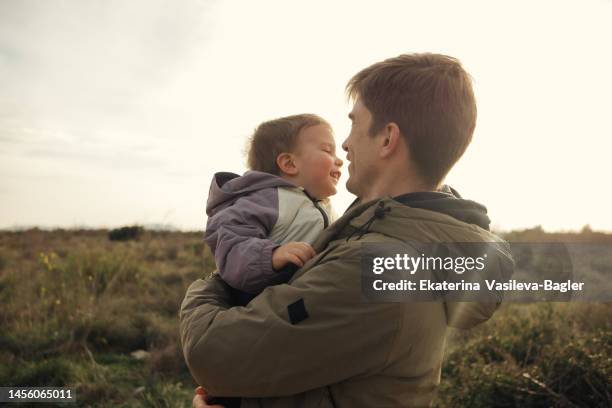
532	356
53	372
125	233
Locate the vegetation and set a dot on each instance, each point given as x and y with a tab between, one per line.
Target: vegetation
539	355
80	310
125	233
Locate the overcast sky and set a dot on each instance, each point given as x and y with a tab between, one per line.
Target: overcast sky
119	112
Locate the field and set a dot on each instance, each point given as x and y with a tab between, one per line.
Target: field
79	310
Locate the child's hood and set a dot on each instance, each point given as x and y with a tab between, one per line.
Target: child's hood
227	187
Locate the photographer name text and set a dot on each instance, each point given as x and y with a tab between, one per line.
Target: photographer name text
511	285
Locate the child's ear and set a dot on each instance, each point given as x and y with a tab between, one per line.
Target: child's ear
286	164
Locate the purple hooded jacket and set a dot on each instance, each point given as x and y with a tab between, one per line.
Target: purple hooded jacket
251	215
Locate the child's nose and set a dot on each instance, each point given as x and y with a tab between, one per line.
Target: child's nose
339	162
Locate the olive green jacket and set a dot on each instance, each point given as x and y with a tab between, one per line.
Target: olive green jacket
315	342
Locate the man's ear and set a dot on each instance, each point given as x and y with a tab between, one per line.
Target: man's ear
392	138
286	164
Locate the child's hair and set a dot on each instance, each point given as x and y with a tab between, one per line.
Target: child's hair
277	136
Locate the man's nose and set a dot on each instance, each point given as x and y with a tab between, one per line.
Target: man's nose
345	145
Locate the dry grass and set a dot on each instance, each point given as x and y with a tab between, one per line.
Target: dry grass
74	306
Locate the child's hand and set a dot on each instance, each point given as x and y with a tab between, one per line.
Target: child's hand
297	253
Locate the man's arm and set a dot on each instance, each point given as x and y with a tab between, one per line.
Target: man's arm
291	338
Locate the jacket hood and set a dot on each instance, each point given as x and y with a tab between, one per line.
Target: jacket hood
432	219
448	201
227	187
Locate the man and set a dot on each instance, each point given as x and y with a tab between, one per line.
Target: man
315	342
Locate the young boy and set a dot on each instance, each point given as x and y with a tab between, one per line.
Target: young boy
260	225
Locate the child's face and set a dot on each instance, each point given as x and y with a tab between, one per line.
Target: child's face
316	161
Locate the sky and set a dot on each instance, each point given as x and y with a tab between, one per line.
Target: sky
120	112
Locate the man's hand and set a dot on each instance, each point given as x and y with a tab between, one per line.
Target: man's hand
199	400
297	253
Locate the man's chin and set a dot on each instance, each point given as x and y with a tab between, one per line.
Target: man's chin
350	188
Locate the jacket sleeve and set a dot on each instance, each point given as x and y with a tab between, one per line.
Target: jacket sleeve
291	338
237	236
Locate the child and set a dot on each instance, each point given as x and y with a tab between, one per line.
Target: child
264	221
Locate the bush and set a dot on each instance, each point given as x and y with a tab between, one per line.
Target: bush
531	355
125	233
53	372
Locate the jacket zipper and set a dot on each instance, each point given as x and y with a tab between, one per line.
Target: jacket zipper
318	207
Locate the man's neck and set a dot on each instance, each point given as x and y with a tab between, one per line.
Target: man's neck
393	187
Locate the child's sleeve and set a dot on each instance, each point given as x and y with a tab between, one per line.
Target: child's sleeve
237	236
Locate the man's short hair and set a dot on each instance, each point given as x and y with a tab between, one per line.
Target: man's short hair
430	98
277	136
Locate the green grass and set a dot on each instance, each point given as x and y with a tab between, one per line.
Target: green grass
74	306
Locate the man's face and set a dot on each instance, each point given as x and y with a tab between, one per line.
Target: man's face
359	146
